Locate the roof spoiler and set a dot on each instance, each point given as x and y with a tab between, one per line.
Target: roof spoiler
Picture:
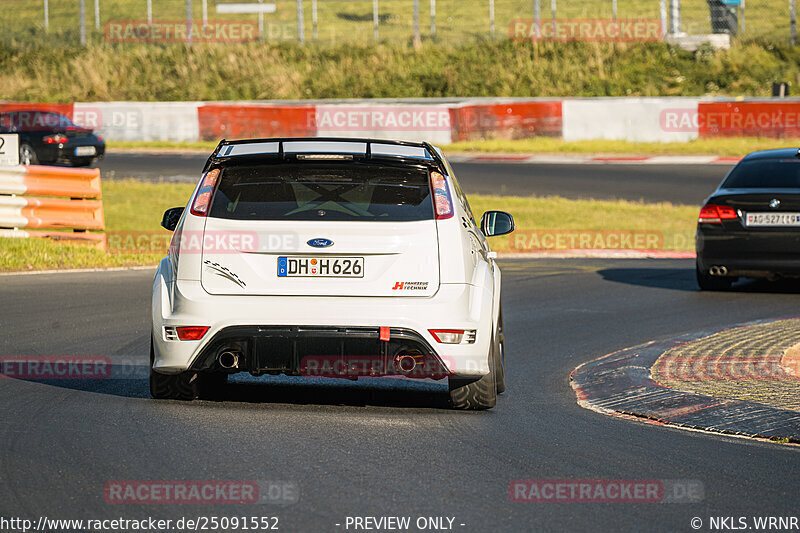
281	153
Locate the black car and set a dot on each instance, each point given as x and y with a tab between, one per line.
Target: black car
46	137
750	226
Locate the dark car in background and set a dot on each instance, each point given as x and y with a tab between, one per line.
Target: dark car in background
46	137
750	226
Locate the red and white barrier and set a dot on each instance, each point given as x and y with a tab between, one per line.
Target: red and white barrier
440	121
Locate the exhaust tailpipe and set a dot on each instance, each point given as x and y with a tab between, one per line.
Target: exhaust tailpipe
405	363
228	359
718	270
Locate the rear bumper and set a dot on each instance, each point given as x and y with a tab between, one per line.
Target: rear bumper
66	153
277	334
314	351
759	253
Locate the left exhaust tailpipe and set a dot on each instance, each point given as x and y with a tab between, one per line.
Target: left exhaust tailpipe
229	359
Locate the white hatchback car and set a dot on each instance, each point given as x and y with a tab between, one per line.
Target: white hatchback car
333	258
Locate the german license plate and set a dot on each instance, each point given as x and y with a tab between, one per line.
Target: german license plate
320	267
772	219
85	150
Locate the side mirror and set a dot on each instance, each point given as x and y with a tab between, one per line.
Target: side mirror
494	223
171	218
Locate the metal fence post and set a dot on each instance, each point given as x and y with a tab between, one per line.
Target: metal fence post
537	17
663	11
149	12
675	15
742	18
97	14
375	19
793	22
553	9
205	13
417	37
301	28
314	19
46	16
614	10
189	22
491	16
82	20
433	17
260	22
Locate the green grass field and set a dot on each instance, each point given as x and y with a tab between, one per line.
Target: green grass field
723	147
260	71
133	210
352	20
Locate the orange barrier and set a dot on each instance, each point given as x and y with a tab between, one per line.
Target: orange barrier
26	202
51	181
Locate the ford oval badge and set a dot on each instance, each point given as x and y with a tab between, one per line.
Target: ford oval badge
320	243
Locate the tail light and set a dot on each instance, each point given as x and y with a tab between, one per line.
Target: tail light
203	197
191	333
99	139
453	336
58	138
441	196
715	214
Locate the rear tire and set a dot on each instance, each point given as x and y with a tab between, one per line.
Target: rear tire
182	386
500	357
27	155
211	385
475	394
707	282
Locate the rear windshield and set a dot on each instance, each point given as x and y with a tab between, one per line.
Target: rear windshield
323	191
765	174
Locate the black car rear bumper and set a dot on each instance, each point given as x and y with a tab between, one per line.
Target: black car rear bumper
65	153
766	252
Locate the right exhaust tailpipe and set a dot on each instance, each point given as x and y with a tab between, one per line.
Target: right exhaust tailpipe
405	363
718	270
228	359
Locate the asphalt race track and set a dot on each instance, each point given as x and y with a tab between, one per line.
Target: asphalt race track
383	447
681	184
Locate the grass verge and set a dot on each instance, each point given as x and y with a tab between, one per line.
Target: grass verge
723	147
488	67
133	209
